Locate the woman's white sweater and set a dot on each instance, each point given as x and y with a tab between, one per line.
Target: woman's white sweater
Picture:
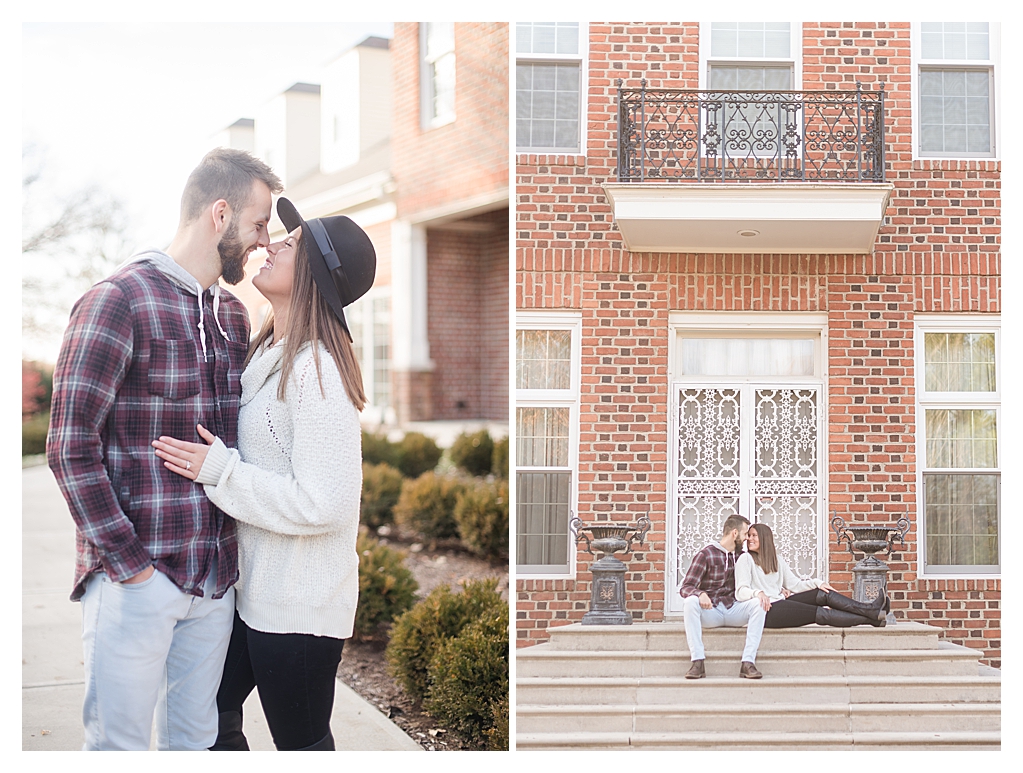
294	489
750	579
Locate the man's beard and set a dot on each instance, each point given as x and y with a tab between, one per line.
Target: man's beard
233	255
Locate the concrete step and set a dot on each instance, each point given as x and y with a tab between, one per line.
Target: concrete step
735	741
645	691
671	636
947	659
779	717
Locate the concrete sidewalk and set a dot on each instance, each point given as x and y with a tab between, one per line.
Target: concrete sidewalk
52	676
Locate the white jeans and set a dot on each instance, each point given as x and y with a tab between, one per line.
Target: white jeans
149	647
748	613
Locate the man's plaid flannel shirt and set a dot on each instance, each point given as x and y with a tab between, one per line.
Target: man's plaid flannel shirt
131	368
712	572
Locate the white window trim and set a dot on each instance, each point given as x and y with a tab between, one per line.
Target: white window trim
426	85
372	412
583	59
992	65
749	324
954	323
795	57
570	398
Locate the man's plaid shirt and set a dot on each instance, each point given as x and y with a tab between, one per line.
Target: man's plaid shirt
131	368
712	572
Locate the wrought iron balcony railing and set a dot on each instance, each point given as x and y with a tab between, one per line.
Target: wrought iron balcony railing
753	136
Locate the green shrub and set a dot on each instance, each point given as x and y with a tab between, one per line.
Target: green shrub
417	454
499	465
33	434
377	449
473	452
381	487
497	734
482	516
469	674
387	588
417	634
427	505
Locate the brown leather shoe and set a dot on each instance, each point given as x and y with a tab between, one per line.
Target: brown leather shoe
749	671
696	671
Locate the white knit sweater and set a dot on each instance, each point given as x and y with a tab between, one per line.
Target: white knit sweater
750	579
294	489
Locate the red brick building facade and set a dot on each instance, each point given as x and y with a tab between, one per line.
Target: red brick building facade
450	164
627	320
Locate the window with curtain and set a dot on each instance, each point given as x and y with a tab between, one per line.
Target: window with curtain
546	390
955	81
750	56
961	465
548	86
437	49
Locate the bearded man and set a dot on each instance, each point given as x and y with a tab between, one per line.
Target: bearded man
155	349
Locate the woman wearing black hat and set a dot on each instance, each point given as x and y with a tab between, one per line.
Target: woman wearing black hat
293	485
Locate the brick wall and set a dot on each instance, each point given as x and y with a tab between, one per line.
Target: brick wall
467	298
465	158
939	251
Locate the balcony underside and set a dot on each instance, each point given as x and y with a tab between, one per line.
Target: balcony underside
791	218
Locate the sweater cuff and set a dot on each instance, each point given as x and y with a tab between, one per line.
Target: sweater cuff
216	462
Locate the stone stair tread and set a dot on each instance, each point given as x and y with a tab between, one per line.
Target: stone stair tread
785	708
950	650
767	739
883	679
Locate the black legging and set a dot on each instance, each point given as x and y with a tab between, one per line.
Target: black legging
797	610
295	674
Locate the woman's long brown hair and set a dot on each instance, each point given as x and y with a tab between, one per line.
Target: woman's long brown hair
766	557
311	319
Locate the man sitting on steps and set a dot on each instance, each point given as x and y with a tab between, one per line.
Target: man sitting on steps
709	593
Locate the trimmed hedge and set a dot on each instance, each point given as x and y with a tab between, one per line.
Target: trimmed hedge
381	487
469	674
473	452
499	465
387	588
482	516
427	505
377	449
33	434
417	635
417	454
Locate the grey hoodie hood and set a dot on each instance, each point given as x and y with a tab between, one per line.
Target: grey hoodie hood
179	276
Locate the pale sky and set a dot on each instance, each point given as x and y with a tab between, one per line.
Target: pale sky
132	107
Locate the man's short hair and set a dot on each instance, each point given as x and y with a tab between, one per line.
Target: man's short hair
228	174
733	522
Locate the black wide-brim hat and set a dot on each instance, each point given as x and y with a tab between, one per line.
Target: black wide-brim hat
341	256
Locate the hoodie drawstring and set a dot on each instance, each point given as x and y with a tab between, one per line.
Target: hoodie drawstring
216	311
216	318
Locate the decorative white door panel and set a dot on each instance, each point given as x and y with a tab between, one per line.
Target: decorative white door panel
751	449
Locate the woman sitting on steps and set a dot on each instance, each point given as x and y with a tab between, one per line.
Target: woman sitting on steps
791	602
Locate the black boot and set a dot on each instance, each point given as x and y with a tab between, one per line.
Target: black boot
230	737
838	618
325	744
875	610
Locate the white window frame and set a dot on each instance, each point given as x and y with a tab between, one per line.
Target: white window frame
427	119
955	323
991	65
725	324
551	398
795	58
373	412
582	58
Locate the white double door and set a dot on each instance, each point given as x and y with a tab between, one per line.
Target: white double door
753	449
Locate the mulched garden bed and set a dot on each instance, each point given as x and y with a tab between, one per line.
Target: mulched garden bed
363	666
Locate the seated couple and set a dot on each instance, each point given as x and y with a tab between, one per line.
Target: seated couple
726	587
